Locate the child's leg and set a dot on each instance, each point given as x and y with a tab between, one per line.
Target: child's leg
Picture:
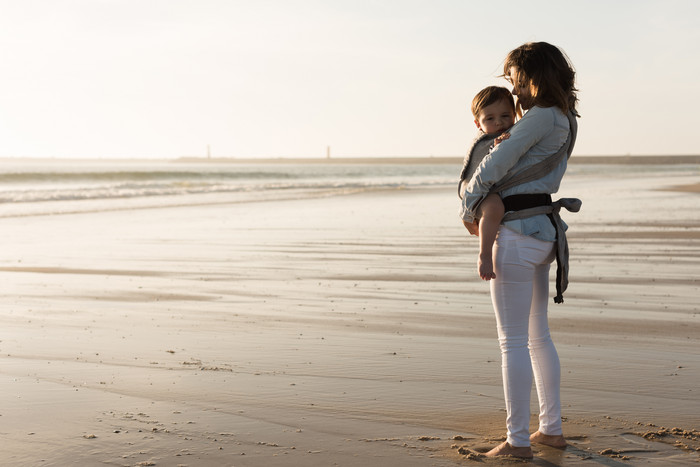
492	211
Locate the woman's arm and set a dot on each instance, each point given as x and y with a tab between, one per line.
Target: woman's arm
535	125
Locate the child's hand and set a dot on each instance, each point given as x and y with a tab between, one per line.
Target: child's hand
501	138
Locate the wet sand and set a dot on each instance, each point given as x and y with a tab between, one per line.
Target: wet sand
690	188
345	330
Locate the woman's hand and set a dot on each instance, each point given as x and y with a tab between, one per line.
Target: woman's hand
472	227
502	137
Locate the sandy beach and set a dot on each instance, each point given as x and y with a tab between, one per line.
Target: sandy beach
339	330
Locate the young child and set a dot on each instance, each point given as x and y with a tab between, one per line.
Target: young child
494	113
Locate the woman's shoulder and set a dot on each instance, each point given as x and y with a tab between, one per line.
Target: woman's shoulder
553	112
547	116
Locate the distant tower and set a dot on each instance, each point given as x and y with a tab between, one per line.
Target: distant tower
328	152
208	152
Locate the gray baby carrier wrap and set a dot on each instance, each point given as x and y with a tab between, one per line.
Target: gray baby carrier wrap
551	209
481	146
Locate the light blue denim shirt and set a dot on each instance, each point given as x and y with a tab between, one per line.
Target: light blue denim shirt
539	134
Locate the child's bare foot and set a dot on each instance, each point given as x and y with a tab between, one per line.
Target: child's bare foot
505	449
555	441
485	267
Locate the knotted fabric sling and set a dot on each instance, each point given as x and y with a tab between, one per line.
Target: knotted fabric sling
551	209
536	206
562	251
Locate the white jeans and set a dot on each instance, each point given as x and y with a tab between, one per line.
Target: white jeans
520	294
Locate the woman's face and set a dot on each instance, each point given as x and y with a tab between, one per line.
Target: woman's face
521	89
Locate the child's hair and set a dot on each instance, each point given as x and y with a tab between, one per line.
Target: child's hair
491	95
547	71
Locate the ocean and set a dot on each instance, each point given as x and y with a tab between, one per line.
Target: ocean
29	186
32	186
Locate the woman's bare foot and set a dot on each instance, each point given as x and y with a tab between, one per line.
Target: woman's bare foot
555	441
505	449
485	267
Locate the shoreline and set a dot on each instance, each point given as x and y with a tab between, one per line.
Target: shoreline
623	160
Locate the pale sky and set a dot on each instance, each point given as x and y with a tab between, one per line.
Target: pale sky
286	78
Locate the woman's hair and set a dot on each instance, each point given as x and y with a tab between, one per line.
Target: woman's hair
547	71
491	95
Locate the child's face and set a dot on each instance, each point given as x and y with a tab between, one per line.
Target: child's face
495	118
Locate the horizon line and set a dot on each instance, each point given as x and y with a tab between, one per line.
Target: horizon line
320	158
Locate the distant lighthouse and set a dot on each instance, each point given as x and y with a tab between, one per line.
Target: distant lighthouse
328	152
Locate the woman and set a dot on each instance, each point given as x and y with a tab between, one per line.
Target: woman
543	82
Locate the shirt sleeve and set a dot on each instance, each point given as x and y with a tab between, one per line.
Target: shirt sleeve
535	125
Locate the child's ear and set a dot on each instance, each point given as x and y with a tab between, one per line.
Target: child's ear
476	122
